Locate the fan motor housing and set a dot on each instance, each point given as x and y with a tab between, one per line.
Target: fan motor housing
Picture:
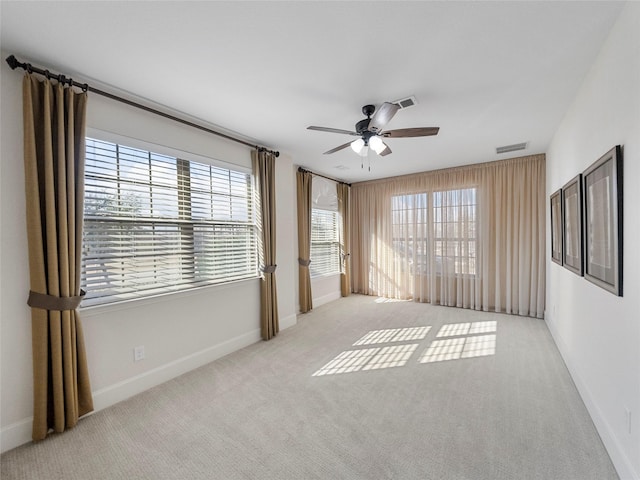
362	125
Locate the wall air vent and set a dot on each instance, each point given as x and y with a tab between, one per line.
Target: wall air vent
406	102
512	148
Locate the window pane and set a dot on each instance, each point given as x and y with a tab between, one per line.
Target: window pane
454	229
410	220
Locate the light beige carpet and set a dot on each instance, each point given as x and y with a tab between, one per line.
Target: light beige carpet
359	389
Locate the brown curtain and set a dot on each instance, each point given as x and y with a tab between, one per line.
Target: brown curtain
471	237
303	182
264	164
344	208
54	147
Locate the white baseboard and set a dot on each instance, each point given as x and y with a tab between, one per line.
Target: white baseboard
288	321
326	299
16	434
621	462
19	433
322	300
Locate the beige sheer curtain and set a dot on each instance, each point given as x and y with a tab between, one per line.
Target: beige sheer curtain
54	132
344	207
471	237
303	191
264	170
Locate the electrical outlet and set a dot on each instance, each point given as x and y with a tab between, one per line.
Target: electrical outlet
138	353
627	417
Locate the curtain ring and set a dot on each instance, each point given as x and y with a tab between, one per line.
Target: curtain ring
62	79
29	68
85	88
47	74
70	82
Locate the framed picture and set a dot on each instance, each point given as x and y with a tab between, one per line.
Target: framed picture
556	227
572	225
602	183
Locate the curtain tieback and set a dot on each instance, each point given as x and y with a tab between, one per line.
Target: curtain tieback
269	268
304	263
51	302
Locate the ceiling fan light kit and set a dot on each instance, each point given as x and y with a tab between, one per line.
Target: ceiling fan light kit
357	145
376	144
370	131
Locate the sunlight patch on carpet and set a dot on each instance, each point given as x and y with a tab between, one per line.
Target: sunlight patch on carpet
391	335
348	361
456	348
470	328
369	359
394	356
470	340
389	300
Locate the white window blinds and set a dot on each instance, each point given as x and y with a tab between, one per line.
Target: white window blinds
156	224
325	243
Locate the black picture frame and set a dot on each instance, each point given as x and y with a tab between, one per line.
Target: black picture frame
602	185
556	226
572	246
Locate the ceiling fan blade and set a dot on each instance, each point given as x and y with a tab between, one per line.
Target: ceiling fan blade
333	150
332	130
386	150
382	116
411	132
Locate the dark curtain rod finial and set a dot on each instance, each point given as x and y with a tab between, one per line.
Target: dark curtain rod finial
62	79
13	62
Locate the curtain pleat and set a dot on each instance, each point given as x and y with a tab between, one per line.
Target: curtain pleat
54	139
471	237
303	193
264	171
344	207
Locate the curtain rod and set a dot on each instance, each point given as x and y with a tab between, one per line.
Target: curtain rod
304	170
14	63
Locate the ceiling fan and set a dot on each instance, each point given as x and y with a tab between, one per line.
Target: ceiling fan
370	131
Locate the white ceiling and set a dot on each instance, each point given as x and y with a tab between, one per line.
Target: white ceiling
487	73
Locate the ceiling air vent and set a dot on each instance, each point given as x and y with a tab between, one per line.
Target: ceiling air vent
512	148
406	102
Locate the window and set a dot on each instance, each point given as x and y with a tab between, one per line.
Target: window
454	222
410	216
325	242
155	224
443	234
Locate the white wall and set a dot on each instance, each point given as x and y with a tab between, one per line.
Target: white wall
598	333
325	289
180	331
